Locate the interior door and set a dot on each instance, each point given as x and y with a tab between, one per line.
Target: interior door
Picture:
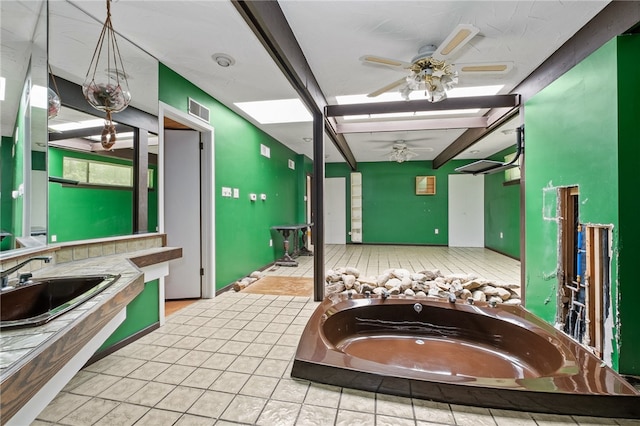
182	212
466	211
335	211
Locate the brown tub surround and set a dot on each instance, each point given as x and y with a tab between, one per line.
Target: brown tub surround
30	357
497	357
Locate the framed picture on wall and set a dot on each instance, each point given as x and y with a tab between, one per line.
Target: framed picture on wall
425	185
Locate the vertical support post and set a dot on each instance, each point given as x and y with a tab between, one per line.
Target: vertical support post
140	180
317	206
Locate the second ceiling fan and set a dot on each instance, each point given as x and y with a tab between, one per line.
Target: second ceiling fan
431	71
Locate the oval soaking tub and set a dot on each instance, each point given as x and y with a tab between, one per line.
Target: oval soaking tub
500	357
42	299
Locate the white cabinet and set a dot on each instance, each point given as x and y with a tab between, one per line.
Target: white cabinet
356	207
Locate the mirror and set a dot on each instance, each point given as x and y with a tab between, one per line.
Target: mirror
23	94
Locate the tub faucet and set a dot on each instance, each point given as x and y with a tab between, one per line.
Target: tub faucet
384	294
367	294
452	298
4	275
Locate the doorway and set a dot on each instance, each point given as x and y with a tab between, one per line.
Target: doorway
466	211
187	203
335	211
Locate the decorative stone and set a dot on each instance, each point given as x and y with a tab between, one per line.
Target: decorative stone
495	299
472	285
383	278
400	273
357	286
393	282
510	286
334	277
456	286
405	283
421	294
348	280
465	294
352	271
409	292
256	274
489	290
503	293
479	296
335	288
431	275
434	292
366	287
443	285
418	277
394	290
512	302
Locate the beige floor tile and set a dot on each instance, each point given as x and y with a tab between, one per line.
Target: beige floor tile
257	349
432	411
194	358
512	418
219	361
155	417
259	386
150	394
81	377
245	364
180	399
323	395
394	406
63	404
230	381
279	413
271	367
552	419
89	412
202	378
586	420
394	421
357	400
211	404
246	336
349	418
244	409
171	355
291	390
233	347
313	415
96	385
268	338
149	370
123	415
122	389
284	353
210	344
188	342
472	416
168	340
146	352
191	420
175	374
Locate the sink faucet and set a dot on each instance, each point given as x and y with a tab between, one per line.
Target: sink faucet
4	275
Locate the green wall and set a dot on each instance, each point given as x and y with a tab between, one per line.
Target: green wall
142	312
629	204
501	211
79	213
243	229
6	182
581	131
392	213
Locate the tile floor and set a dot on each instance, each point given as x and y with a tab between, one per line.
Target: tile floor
227	361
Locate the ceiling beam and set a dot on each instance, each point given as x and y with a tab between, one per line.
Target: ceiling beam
616	18
268	23
470	102
406	125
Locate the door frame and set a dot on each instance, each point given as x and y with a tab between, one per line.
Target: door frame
207	194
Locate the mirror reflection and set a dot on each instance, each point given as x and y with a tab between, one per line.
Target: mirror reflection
23	93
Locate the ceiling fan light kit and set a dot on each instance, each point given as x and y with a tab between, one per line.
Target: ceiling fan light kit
430	71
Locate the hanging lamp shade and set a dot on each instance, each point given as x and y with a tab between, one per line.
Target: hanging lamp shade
105	86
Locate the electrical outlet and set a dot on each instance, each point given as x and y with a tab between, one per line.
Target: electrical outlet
263	197
501	235
253	197
54	238
437	231
270	243
226	192
236	193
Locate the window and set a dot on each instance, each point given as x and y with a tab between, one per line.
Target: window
100	173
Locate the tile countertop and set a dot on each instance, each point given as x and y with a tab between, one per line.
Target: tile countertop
29	357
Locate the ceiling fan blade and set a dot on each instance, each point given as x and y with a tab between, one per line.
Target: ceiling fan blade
485	68
378	60
456	40
387	88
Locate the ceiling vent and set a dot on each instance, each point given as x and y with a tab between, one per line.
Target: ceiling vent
198	110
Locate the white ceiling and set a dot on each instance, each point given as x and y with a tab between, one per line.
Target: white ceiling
333	36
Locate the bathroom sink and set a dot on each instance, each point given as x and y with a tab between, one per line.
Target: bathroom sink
41	299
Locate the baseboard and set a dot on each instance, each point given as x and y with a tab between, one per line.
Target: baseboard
503	253
122	343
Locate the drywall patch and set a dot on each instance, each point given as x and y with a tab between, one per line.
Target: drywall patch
550	203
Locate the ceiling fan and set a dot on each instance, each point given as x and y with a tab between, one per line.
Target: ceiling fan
430	70
400	151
